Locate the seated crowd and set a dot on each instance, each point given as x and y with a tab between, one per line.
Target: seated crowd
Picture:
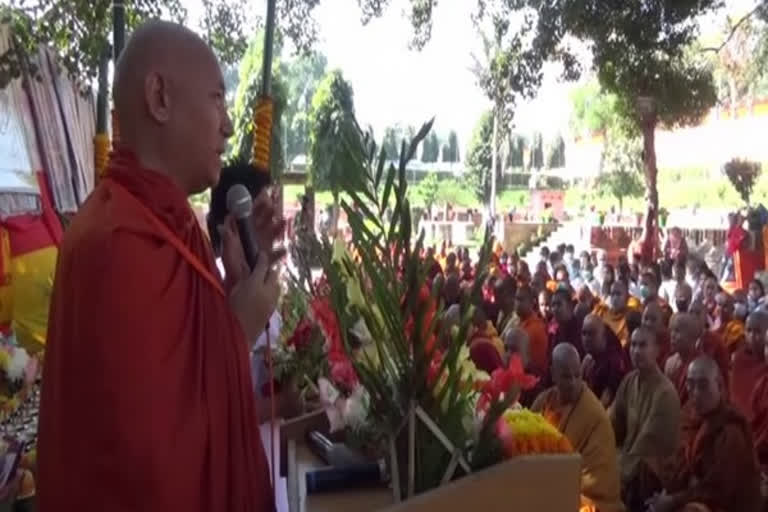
656	374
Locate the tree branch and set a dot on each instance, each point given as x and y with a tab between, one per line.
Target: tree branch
734	29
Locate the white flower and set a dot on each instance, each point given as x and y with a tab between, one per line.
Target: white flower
360	330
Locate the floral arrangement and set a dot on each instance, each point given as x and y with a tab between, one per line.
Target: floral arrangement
18	372
523	432
743	175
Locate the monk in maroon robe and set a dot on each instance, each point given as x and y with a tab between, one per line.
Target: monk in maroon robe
748	363
606	362
148	402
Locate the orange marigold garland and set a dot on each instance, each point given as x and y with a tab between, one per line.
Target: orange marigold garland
101	152
523	432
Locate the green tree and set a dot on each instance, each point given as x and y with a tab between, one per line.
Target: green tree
509	69
640	52
480	159
556	153
454	154
621	169
516	153
391	142
330	120
303	73
80	31
594	111
430	151
537	151
426	191
248	91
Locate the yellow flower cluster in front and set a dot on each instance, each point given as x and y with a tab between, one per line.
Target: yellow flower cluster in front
531	433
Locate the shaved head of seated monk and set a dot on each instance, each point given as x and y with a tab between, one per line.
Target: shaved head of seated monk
579	415
748	363
171	421
683	297
730	329
646	420
655	319
516	342
718	471
566	372
606	361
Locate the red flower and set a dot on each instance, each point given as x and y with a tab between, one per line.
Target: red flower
326	319
302	335
505	380
427	306
342	373
434	368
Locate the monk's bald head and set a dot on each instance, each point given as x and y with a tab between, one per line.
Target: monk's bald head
593	334
704	382
566	372
170	104
684	332
755	330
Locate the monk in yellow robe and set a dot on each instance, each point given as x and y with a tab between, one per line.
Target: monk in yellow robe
714	468
580	416
614	314
730	329
646	420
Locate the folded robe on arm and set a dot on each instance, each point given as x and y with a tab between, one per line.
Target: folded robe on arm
147	403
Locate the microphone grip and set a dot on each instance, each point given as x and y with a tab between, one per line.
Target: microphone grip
248	241
340	478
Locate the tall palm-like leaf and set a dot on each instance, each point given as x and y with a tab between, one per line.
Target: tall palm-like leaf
389	268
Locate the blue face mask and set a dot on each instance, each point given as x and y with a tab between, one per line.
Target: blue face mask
645	292
586	275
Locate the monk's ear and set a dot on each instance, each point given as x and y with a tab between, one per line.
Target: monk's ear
157	98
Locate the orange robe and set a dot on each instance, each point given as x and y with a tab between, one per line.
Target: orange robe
538	341
715	465
708	345
148	402
746	370
616	321
732	335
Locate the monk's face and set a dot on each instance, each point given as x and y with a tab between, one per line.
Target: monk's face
652	318
523	304
592	336
619	297
682	335
643	350
755	333
704	388
724	307
545	304
562	309
197	116
567	378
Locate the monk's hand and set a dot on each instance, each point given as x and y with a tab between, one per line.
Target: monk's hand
587	364
661	503
268	226
254	298
236	267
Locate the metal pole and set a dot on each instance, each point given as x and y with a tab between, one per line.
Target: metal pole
118	26
269	41
102	100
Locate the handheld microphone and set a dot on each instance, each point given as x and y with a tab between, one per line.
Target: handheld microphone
240	204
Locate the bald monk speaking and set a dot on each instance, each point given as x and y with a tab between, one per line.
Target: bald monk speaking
147	403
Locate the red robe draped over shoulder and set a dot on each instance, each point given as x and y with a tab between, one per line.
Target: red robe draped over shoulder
147	401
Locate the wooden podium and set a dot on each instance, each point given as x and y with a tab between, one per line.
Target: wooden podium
544	483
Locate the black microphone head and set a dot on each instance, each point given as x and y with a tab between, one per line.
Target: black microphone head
239	201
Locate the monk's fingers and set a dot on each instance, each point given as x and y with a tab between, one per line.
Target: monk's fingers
277	255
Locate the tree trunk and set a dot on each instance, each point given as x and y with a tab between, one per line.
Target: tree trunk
494	161
649	163
733	94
